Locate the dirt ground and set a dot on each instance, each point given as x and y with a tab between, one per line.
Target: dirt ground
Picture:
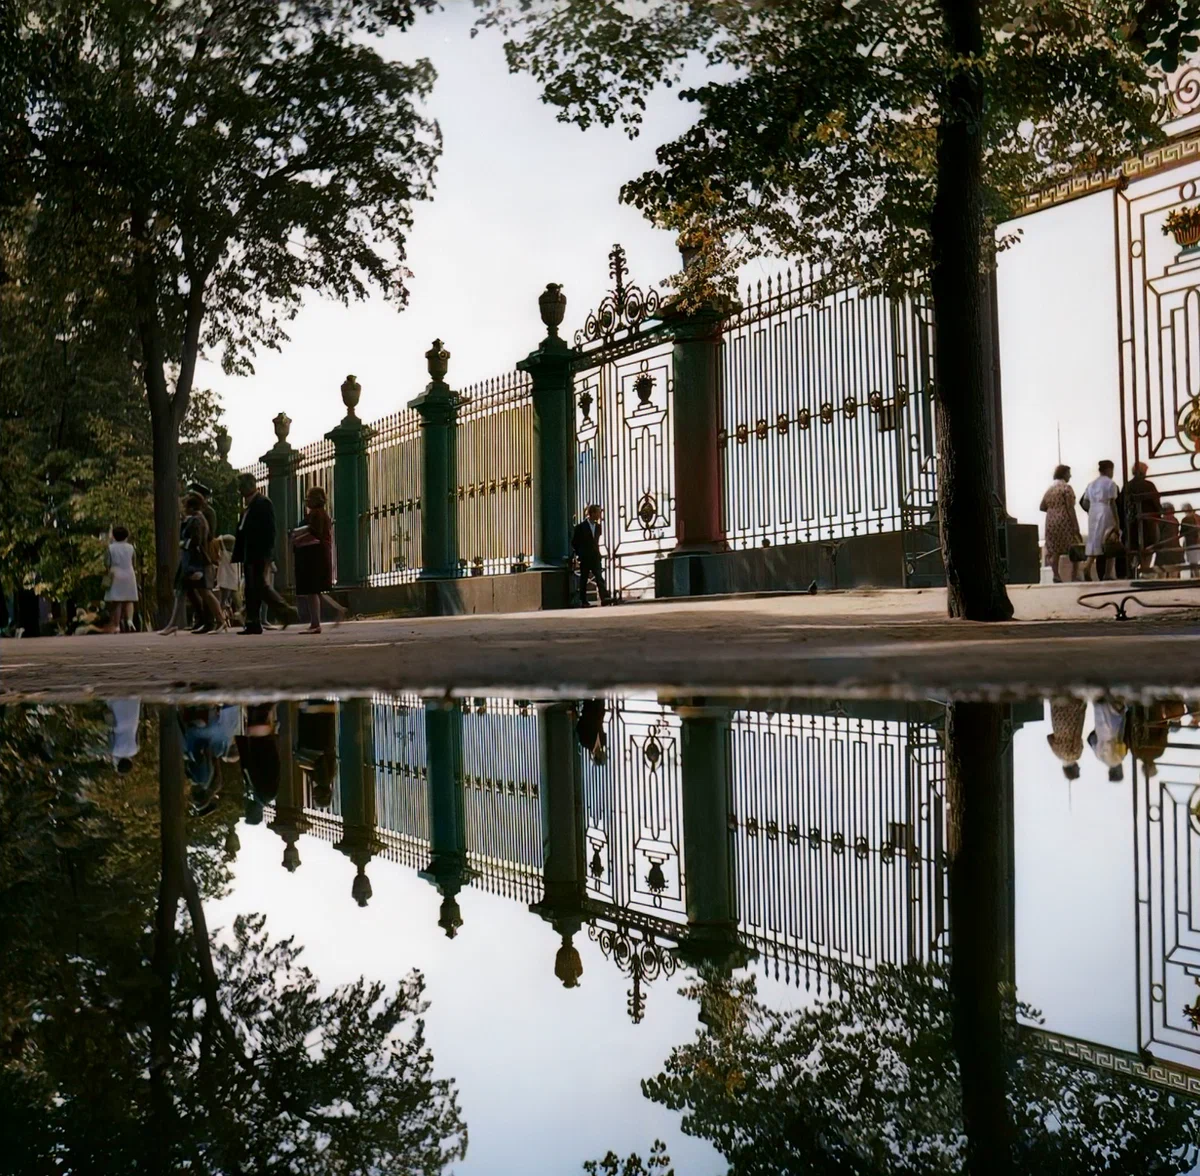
848	646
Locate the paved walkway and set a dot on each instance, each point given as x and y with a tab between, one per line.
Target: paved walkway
839	644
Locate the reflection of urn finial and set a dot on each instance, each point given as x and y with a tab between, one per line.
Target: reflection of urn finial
552	302
351	391
282	425
224	443
438	360
360	888
449	916
568	967
291	858
233	843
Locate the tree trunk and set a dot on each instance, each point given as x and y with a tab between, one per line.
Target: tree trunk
166	510
977	793
966	447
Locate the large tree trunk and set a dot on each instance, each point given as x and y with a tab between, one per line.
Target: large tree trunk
966	447
977	792
166	509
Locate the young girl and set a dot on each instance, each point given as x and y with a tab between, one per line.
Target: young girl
122	592
229	576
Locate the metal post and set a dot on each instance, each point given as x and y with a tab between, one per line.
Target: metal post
438	409
447	870
356	778
549	368
564	870
280	461
350	492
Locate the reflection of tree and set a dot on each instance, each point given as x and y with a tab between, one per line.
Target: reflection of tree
221	1055
869	1082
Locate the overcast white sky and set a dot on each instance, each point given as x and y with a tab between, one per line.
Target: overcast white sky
521	200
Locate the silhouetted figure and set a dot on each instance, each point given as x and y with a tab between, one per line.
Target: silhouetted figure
585	543
253	548
590	730
258	750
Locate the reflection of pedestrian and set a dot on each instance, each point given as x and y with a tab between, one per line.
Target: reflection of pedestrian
124	714
590	730
1066	722
316	750
585	542
258	749
1108	738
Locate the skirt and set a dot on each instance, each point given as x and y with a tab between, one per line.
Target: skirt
314	569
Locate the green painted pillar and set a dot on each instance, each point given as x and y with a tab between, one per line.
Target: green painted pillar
356	783
549	369
282	490
350	492
712	935
447	870
695	371
438	407
289	823
564	862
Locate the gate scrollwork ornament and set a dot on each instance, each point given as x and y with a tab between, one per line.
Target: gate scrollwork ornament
1189	423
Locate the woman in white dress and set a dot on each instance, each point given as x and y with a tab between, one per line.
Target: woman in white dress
1099	500
122	592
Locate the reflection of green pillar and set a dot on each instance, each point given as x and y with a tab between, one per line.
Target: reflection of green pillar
549	369
350	501
438	408
289	822
447	869
564	870
712	935
356	779
280	461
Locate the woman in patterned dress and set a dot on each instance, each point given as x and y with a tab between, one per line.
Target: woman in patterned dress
1062	523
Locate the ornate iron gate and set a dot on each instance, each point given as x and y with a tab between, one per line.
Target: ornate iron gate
624	402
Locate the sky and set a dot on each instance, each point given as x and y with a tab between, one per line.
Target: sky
520	200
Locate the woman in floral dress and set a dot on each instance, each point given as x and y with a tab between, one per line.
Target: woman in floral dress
1062	523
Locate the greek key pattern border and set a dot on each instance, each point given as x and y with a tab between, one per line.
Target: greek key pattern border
1117	1062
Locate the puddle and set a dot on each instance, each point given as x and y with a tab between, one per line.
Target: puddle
492	935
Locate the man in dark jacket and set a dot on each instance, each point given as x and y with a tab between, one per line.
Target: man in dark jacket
1143	509
254	549
585	542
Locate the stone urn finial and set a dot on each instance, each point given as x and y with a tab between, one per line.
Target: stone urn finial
552	303
282	425
438	360
351	391
224	443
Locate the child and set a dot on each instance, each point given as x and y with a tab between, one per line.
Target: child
229	577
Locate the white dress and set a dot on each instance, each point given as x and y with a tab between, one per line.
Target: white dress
228	573
123	736
1102	515
124	578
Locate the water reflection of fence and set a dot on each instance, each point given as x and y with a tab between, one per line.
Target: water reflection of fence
392	520
826	412
495	475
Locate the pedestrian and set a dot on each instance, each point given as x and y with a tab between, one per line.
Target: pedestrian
258	752
1189	534
1067	717
1063	540
228	578
1108	740
124	717
1142	510
312	548
585	542
1169	555
253	548
213	602
121	593
1104	531
190	575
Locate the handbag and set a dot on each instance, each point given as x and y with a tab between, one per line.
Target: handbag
1077	553
1113	546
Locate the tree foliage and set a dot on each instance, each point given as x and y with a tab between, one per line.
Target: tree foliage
867	1082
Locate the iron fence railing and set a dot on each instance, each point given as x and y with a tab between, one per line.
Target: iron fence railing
392	521
314	468
826	422
494	443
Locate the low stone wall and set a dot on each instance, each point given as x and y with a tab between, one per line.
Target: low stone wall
861	561
529	591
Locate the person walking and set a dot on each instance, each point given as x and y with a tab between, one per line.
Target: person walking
1063	540
312	548
1189	534
1104	530
1169	555
253	547
192	570
585	542
1143	508
121	595
228	578
211	599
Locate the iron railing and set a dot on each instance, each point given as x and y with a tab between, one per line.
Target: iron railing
494	443
826	421
314	467
392	521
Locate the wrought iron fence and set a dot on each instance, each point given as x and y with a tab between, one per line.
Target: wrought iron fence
259	470
392	521
826	419
314	467
501	796
839	835
495	475
401	783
